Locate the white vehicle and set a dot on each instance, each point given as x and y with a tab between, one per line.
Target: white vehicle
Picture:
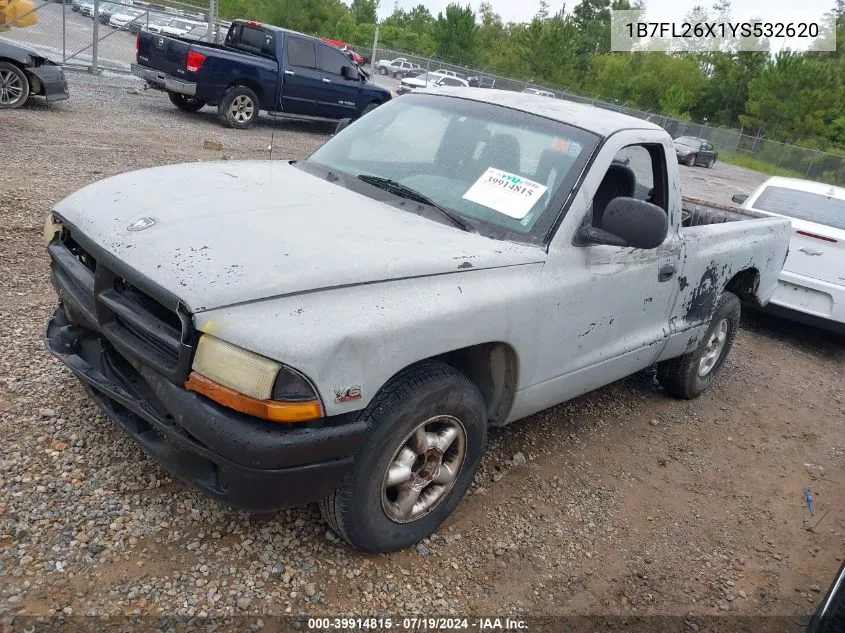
397	68
178	27
538	91
156	23
430	80
448	73
120	20
811	288
521	255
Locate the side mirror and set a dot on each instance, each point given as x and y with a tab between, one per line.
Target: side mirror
348	72
739	198
629	222
341	125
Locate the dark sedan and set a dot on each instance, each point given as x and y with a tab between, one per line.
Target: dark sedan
24	72
695	151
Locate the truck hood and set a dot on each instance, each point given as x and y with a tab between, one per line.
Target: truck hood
236	231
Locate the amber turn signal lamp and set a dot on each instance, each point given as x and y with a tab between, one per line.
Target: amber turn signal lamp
265	409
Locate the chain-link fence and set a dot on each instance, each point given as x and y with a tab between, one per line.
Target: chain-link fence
732	145
100	34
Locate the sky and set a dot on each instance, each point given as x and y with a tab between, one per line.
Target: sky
524	10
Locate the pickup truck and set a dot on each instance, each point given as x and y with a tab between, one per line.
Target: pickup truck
258	67
345	329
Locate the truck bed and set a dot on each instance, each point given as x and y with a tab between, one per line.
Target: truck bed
698	212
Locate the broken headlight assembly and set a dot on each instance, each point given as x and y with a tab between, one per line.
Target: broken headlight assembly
51	227
251	383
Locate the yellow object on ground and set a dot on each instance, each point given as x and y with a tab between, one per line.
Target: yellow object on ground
17	13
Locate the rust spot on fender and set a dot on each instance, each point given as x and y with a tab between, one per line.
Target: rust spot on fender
465	265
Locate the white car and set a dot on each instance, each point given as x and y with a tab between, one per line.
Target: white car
811	288
178	27
430	80
120	20
538	91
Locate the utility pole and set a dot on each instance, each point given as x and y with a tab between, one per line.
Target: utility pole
373	59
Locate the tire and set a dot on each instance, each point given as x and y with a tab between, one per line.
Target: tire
397	75
369	108
186	103
365	509
690	162
710	163
382	70
14	86
690	375
238	108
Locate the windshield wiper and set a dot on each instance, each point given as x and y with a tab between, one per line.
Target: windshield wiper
403	191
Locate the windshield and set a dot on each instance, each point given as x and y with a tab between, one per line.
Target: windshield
507	172
803	205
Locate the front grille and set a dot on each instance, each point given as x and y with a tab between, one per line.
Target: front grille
140	321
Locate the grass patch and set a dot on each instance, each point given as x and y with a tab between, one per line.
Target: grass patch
756	164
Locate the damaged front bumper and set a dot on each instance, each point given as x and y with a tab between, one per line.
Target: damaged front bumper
51	82
248	463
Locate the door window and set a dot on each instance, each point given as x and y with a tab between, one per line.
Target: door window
302	53
332	60
637	171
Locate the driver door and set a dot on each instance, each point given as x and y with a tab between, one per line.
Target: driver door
609	306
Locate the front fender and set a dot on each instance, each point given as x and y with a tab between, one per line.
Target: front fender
353	339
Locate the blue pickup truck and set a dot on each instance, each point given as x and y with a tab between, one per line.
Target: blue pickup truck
258	67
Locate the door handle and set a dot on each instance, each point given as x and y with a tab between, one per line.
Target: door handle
666	272
327	81
290	73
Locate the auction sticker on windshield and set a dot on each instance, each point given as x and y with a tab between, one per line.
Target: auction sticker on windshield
505	192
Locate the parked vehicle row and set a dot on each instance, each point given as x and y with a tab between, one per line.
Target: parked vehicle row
258	67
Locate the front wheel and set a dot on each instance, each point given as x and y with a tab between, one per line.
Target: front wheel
690	160
427	432
369	108
382	70
14	86
690	375
186	103
238	108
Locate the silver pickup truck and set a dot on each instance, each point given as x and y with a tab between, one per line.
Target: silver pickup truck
345	329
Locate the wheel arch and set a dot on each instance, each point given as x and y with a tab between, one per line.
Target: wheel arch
492	367
745	284
253	85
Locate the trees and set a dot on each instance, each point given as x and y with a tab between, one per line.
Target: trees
455	33
790	97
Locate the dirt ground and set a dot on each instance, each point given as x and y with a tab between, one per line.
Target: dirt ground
621	502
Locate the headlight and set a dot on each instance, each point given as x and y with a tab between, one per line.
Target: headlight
250	383
51	227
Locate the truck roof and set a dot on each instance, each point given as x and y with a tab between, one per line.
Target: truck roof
809	186
591	118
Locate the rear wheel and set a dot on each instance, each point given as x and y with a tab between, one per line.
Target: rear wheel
690	375
14	86
427	432
238	108
186	103
710	163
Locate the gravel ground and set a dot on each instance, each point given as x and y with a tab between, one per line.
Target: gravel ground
623	501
